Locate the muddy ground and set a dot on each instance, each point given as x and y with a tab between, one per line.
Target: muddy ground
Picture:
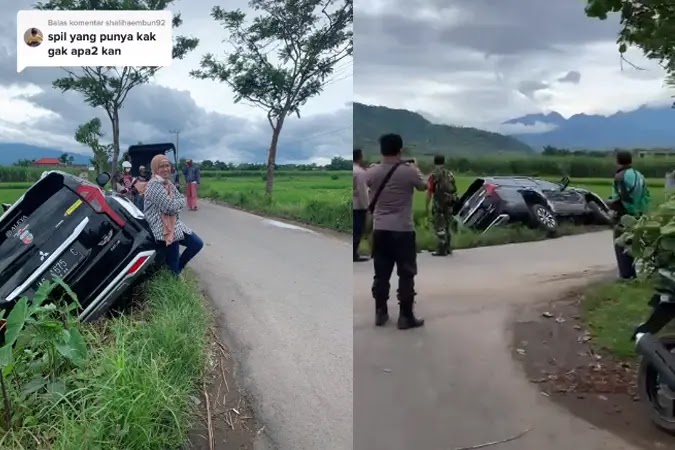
222	406
557	355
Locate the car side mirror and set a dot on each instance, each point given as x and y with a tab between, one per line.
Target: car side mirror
102	179
564	183
6	206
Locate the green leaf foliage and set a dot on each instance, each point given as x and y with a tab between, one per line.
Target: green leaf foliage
651	238
307	37
646	24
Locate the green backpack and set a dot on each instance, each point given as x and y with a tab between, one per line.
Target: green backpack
444	186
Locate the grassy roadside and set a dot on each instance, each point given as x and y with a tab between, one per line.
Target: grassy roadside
509	234
331	214
612	310
134	388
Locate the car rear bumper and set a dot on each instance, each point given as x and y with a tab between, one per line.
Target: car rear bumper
126	278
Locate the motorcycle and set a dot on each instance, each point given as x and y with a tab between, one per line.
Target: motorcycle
656	372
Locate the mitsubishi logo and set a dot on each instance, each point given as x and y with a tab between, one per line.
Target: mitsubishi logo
43	255
106	239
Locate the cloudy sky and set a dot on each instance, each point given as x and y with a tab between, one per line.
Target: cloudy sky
213	127
481	62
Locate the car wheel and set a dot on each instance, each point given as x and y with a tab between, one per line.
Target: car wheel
598	215
543	218
656	397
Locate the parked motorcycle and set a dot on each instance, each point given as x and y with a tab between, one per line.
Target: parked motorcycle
656	373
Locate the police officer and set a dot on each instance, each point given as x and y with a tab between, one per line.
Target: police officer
392	185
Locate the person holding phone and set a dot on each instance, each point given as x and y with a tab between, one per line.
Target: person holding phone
392	184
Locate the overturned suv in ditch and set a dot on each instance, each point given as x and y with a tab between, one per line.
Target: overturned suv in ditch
64	226
494	201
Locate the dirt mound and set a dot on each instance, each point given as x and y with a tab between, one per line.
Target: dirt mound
556	351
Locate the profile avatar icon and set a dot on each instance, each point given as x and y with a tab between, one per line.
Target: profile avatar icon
33	37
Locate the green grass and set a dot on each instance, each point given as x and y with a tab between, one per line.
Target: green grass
612	310
135	389
321	200
324	199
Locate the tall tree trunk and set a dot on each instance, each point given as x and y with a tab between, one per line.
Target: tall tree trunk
272	158
116	139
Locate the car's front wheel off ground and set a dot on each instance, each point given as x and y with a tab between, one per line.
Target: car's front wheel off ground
543	218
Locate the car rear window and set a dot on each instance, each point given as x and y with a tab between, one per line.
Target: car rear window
509	193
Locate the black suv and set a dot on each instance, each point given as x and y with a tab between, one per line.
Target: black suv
64	226
493	201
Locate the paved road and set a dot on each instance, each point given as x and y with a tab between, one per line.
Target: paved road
286	297
453	383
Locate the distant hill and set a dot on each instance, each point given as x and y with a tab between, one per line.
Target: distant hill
12	153
645	127
424	137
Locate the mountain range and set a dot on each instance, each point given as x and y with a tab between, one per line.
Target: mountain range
645	127
426	138
11	153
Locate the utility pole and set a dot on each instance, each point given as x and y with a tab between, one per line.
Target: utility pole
177	133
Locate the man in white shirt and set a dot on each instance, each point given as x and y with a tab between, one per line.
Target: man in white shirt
360	201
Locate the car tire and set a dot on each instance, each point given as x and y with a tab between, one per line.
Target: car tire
598	215
543	218
647	382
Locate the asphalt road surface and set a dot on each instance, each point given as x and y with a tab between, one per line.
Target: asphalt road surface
453	383
286	297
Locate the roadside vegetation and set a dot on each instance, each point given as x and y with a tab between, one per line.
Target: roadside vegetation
322	199
322	196
124	383
612	310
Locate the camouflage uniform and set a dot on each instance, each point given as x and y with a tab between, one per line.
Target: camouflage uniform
441	209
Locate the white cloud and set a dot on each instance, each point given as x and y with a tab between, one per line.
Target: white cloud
510	61
212	125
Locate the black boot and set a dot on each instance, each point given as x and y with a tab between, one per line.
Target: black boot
441	250
406	317
381	313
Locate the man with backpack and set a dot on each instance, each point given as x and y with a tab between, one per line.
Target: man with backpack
393	183
442	190
630	196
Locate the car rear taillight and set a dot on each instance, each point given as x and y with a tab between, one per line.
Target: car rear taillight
94	197
136	266
490	190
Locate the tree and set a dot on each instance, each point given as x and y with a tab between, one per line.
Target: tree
646	24
64	158
108	87
308	38
24	163
89	134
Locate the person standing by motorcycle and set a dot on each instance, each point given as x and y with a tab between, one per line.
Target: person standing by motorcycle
125	180
139	186
393	183
630	196
192	182
442	190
